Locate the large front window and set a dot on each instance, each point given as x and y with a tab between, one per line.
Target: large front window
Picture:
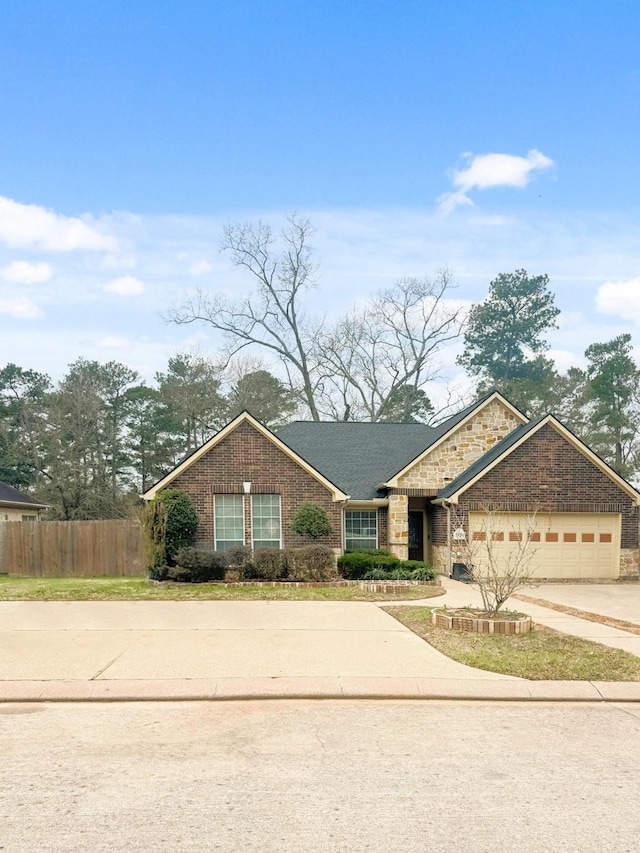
265	521
360	529
229	521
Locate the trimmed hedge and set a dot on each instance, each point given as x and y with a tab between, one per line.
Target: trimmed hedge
355	564
312	564
358	565
194	565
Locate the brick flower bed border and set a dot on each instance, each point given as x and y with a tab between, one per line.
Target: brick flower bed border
481	625
395	587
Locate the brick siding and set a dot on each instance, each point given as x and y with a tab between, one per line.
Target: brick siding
383	516
574	484
245	455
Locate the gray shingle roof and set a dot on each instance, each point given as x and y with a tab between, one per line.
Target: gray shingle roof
490	456
10	495
358	457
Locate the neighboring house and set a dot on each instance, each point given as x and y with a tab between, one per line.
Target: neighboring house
16	506
417	490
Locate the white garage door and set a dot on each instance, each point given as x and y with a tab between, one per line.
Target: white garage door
566	545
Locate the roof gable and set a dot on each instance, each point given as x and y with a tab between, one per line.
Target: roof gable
511	442
245	417
449	427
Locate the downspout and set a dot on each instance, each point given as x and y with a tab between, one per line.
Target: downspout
449	554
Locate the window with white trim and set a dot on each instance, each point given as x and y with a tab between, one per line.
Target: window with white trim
360	529
228	521
266	522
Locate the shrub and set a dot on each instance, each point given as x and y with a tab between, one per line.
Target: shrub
376	575
182	520
238	558
154	529
159	573
422	572
355	565
311	520
384	561
269	564
198	566
169	524
374	552
233	576
313	564
401	574
407	570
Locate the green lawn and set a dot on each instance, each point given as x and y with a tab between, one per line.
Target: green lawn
541	654
140	589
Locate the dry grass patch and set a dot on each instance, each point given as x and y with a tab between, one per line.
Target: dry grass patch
540	654
141	589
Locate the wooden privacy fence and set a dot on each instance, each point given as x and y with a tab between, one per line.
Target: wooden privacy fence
79	549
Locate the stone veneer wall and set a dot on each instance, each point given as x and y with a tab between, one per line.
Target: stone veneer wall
440	559
629	564
461	449
398	526
245	455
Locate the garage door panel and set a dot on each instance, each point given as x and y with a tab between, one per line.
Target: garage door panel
567	545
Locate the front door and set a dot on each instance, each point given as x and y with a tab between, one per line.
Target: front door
416	536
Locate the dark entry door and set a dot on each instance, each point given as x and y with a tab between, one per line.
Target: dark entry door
416	536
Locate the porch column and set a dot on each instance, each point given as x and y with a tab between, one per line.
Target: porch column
399	526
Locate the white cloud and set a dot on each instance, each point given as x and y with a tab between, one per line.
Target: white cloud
22	272
32	226
112	342
201	267
621	298
20	307
126	285
484	171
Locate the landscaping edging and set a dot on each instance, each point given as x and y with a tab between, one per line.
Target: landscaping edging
394	587
480	624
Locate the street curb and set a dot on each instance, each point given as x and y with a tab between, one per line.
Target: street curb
247	689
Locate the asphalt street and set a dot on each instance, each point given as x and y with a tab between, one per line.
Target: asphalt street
320	776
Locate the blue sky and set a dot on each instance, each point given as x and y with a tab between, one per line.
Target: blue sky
484	136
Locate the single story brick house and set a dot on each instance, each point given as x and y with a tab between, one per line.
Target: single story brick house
418	490
16	506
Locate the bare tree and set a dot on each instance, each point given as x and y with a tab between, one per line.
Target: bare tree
272	317
386	352
499	560
369	365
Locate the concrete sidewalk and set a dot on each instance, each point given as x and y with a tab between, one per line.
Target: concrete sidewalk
140	650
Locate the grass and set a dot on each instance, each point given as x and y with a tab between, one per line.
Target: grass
540	654
140	589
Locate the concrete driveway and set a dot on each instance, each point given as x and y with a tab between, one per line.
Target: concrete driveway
618	601
140	640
